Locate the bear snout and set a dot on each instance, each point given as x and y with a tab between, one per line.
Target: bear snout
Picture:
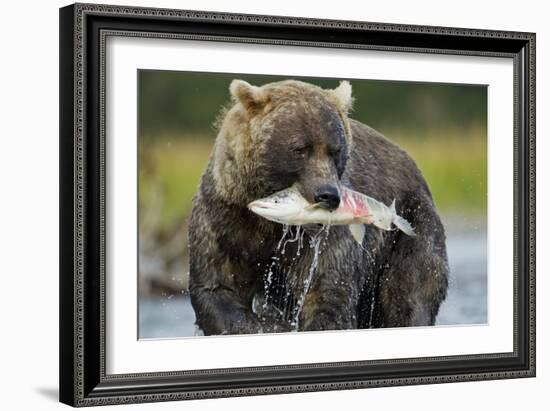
327	196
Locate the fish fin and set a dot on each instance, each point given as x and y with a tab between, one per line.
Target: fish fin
392	207
403	225
358	232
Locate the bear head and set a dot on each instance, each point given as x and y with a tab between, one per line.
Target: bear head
281	134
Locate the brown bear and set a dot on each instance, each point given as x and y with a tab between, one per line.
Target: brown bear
250	275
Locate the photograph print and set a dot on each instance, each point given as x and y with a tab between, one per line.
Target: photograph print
271	204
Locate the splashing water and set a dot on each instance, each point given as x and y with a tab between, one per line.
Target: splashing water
279	252
298	237
268	280
286	230
288	307
315	244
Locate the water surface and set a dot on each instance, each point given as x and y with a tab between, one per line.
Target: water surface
466	303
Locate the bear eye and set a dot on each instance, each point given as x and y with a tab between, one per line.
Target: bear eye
301	151
334	152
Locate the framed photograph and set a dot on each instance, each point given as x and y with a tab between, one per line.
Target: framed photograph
259	204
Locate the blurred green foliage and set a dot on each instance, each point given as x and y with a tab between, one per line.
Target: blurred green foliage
188	102
442	126
454	164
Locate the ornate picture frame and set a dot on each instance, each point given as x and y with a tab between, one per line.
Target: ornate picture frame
84	30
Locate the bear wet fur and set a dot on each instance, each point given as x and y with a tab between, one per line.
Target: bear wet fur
291	132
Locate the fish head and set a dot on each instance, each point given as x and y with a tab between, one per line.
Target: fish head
282	207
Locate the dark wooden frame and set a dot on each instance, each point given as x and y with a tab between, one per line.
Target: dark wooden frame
83	29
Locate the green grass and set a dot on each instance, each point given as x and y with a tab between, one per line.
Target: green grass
454	164
177	165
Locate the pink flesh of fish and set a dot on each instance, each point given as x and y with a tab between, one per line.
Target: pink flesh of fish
352	202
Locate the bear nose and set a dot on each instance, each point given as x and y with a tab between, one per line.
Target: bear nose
328	197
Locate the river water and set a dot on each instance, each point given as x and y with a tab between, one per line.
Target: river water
466	303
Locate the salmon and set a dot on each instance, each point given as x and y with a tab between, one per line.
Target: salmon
355	210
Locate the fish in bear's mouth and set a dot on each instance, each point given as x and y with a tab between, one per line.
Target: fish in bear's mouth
355	210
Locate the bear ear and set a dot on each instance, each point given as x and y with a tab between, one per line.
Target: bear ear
342	93
251	97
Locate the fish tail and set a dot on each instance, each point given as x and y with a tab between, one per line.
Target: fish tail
403	225
400	222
